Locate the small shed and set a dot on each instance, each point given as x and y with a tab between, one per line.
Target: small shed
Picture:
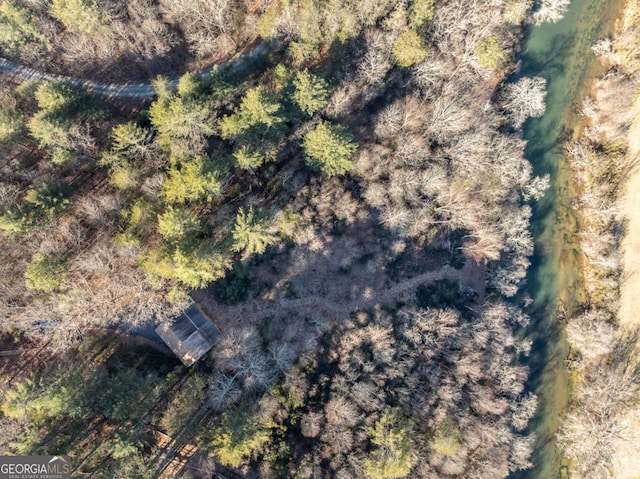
190	336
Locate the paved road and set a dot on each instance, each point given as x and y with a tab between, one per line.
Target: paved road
114	90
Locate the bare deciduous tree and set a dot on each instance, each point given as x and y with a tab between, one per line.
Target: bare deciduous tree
224	391
592	334
601	424
377	60
524	410
604	50
524	99
340	411
203	22
550	11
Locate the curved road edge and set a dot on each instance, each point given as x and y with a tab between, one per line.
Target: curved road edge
140	91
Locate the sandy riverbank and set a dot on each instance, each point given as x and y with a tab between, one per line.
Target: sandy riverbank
604	442
626	41
629	315
627	463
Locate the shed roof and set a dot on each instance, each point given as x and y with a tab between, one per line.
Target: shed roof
190	336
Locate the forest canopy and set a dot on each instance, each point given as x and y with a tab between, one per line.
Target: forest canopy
345	195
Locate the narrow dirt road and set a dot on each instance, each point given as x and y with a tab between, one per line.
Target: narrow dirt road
113	90
261	308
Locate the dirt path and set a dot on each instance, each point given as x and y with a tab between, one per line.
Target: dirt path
128	90
261	308
446	272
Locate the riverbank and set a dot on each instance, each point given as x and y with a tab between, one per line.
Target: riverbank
600	433
628	317
629	297
621	54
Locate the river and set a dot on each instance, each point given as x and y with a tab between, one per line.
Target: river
561	53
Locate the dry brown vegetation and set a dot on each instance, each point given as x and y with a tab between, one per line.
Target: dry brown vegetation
601	431
132	40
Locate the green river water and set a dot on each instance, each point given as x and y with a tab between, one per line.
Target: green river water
560	53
